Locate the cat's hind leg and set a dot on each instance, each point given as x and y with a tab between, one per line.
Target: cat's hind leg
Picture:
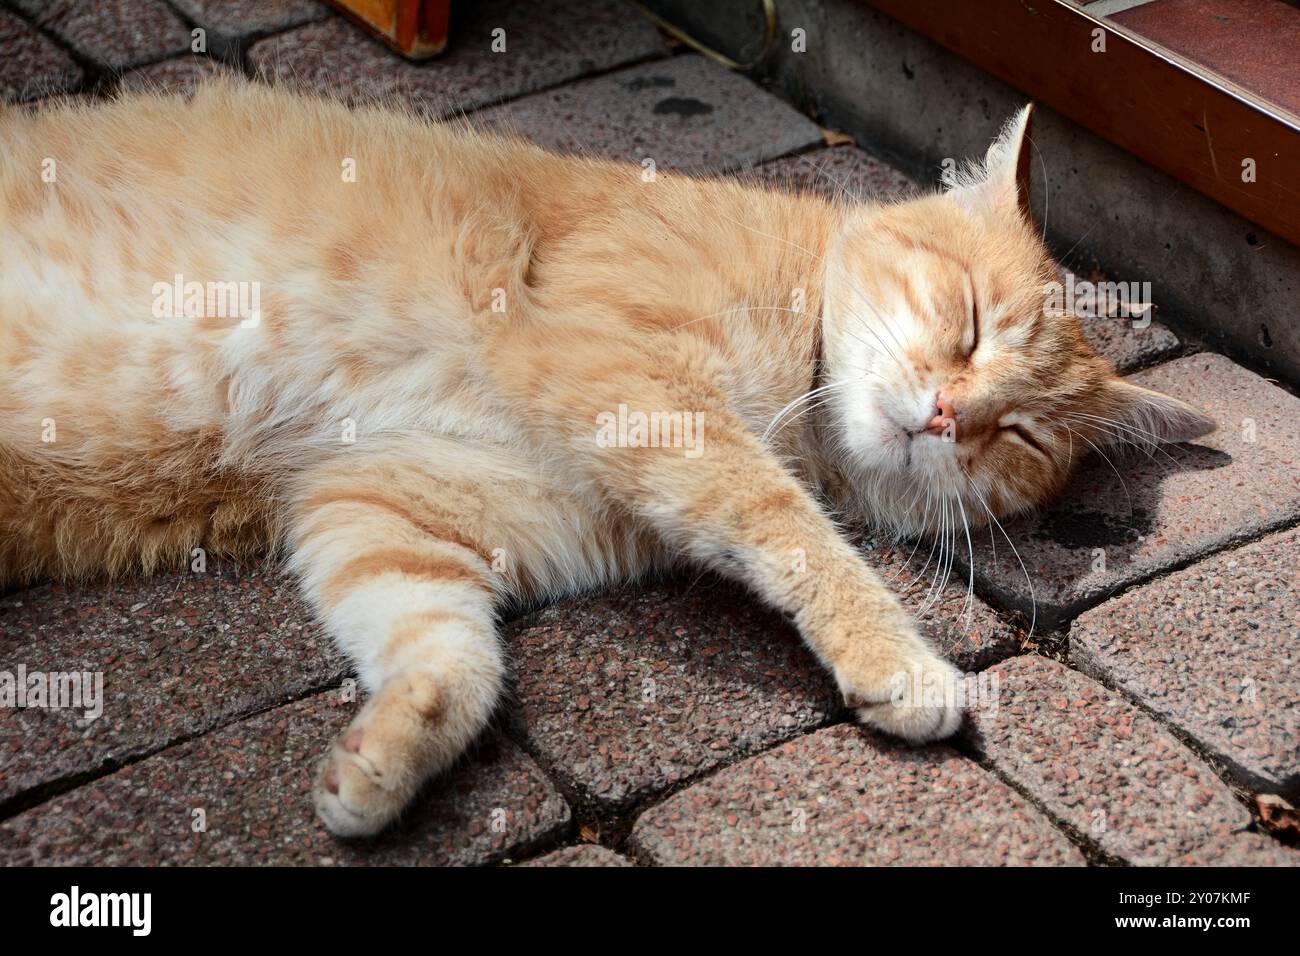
411	601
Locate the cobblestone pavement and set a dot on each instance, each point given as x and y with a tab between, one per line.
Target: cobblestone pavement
679	723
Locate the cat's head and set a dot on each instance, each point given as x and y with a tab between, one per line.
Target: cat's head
953	381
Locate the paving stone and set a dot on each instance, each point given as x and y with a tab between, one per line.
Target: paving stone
1213	649
546	44
586	854
1105	768
179	75
1151	513
32	65
836	172
252	781
626	694
230	23
1244	849
1126	346
686	113
113	33
841	797
179	654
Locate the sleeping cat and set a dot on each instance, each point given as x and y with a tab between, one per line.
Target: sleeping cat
443	370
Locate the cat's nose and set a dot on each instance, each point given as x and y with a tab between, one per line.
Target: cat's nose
945	416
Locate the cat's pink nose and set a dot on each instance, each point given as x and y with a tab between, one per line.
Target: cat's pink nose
945	416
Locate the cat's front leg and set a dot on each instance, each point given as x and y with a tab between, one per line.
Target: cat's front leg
793	556
732	505
884	668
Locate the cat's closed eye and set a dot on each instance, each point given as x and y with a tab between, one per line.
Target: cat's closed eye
1025	435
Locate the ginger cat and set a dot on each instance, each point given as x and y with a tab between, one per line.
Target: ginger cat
459	370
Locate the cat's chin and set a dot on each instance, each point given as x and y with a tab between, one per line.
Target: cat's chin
902	499
886	498
879	449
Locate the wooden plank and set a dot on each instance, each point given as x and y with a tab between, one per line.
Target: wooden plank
1200	128
415	28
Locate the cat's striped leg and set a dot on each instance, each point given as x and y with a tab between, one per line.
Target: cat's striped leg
739	511
413	608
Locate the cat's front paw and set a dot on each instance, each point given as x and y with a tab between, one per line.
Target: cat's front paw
917	696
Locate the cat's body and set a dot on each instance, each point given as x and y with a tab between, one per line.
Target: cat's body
397	302
446	320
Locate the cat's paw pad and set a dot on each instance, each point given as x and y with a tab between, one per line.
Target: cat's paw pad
376	767
352	796
923	702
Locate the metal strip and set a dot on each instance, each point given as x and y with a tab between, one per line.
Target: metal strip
1106	8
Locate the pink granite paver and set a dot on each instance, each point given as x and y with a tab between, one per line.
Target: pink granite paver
629	693
113	33
584	855
841	798
1105	768
624	695
544	45
178	653
32	66
229	23
687	113
1215	649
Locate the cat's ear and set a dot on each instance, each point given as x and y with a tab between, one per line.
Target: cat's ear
1002	182
1139	416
